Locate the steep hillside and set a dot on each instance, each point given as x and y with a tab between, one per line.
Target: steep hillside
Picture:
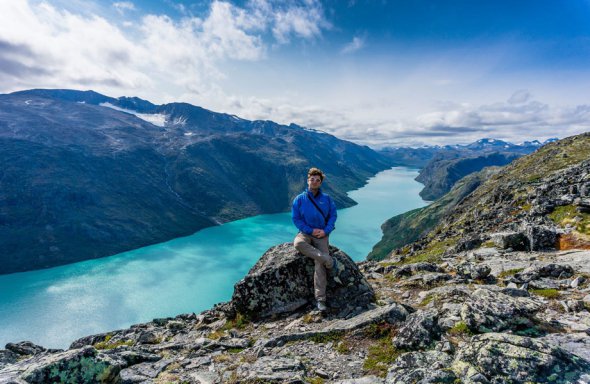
410	226
540	201
81	180
439	175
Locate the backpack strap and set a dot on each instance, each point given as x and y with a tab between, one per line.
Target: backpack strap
318	208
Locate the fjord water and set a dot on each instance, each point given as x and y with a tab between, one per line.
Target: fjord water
52	307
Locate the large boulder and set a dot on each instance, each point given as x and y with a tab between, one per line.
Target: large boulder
419	331
505	358
282	281
83	366
421	367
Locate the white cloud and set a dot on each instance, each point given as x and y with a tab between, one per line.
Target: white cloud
122	6
154	54
356	44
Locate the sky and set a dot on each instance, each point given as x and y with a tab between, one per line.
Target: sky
376	72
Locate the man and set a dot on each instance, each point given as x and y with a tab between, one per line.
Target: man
314	214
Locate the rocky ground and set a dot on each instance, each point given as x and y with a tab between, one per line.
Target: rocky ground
485	315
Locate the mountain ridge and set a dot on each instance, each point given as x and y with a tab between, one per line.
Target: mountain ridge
117	182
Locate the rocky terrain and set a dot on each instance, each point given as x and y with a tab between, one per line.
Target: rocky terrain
84	175
498	292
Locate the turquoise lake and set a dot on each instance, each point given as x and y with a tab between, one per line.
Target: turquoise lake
53	307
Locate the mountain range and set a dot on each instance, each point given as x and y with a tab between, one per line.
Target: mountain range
88	175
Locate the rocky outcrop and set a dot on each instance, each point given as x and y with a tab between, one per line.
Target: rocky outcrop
493	358
282	282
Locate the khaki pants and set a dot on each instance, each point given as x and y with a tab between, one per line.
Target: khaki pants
318	250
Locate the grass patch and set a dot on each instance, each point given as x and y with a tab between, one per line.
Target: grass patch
548	293
343	347
428	299
107	344
509	272
432	253
239	322
378	330
568	214
327	337
380	356
460	328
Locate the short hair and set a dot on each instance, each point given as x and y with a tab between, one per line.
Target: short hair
316	172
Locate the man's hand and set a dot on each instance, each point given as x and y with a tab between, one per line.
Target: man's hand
319	233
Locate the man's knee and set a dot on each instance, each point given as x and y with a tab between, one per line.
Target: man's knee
299	242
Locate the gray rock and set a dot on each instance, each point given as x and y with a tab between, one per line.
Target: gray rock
149	337
144	371
411	269
271	369
290	275
361	380
7	357
82	366
473	271
553	271
421	367
429	279
25	348
517	241
419	331
488	310
503	358
541	237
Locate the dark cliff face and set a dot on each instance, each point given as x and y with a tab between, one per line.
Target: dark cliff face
439	175
80	180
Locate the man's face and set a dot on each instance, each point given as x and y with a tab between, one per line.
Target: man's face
314	182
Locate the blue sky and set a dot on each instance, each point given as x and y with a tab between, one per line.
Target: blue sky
374	72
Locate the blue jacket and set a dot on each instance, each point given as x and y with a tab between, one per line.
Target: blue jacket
306	216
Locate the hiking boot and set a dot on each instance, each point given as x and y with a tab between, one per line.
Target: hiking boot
322	307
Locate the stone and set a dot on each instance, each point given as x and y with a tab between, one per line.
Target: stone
85	365
429	279
411	269
282	281
144	371
420	331
149	337
272	369
541	237
361	380
421	367
7	357
488	310
473	271
25	348
503	357
517	241
552	271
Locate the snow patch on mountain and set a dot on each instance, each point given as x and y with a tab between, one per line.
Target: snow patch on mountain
158	119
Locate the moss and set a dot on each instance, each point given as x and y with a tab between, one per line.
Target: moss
327	337
314	380
107	344
216	335
238	322
548	293
343	347
509	272
460	328
380	356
